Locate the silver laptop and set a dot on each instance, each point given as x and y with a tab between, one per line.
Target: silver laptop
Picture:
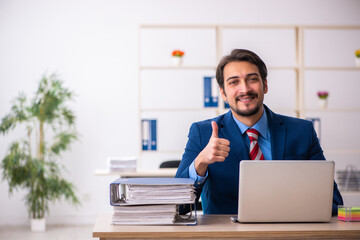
285	191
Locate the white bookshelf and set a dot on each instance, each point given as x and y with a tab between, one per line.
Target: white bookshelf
301	60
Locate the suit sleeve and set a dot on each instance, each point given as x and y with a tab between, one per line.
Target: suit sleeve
192	150
316	153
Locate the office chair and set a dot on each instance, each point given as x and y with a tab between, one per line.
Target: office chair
170	164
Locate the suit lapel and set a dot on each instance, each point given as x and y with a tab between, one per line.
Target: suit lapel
277	135
229	130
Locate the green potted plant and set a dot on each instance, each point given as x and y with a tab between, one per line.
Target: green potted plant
35	167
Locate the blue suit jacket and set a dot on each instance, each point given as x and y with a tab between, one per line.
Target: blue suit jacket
291	139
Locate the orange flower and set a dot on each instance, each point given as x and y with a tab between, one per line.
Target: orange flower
178	53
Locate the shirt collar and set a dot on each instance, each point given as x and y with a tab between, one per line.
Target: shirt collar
261	126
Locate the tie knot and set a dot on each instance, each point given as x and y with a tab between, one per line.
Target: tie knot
253	134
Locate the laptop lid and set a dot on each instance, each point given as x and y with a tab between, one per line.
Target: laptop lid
285	191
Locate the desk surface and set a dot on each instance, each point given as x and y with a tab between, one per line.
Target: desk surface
220	227
163	172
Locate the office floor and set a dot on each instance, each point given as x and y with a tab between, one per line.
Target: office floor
55	232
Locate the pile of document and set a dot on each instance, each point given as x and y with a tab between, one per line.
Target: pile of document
122	164
349	179
151	200
144	214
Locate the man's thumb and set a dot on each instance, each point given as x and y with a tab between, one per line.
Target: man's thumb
214	130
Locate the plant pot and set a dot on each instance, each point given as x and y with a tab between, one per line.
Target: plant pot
322	103
357	61
177	61
38	224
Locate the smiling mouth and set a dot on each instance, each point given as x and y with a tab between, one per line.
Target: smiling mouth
246	98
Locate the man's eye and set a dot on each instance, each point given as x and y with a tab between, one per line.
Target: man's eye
233	82
253	79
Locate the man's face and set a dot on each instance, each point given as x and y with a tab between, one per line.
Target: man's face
243	88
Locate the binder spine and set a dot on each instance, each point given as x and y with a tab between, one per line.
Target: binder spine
153	135
145	134
211	92
149	136
207	92
214	92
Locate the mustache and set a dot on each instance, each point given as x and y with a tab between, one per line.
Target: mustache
249	94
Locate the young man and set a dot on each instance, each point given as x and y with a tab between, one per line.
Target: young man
250	130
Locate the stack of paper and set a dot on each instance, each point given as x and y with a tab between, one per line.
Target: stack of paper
349	179
159	194
144	214
349	214
150	200
121	164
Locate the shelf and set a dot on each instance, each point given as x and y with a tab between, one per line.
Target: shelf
207	67
332	68
210	109
350	193
178	109
298	69
342	151
164	152
273	109
162	26
168	172
330	110
250	26
338	151
356	151
282	68
177	67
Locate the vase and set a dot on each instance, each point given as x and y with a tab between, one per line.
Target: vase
357	61
177	61
38	224
322	103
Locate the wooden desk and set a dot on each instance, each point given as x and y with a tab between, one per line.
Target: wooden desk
220	227
163	172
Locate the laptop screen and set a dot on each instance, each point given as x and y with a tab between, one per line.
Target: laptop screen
285	191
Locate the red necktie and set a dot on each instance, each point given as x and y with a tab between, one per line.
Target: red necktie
255	151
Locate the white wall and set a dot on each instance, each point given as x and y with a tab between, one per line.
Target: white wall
93	45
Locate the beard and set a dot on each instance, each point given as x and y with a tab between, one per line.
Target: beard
248	112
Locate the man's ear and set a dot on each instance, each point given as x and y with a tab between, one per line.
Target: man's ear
265	86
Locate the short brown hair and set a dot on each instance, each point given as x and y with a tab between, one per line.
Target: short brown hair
238	55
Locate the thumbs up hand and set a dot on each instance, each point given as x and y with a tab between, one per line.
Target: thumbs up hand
215	151
215	130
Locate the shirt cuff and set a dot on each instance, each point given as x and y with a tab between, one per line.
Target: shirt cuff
193	174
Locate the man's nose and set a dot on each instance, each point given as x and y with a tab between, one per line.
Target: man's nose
243	87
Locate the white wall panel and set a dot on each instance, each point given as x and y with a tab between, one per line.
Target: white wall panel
330	47
157	45
173	127
282	89
276	47
339	131
343	88
343	159
284	112
172	89
152	160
